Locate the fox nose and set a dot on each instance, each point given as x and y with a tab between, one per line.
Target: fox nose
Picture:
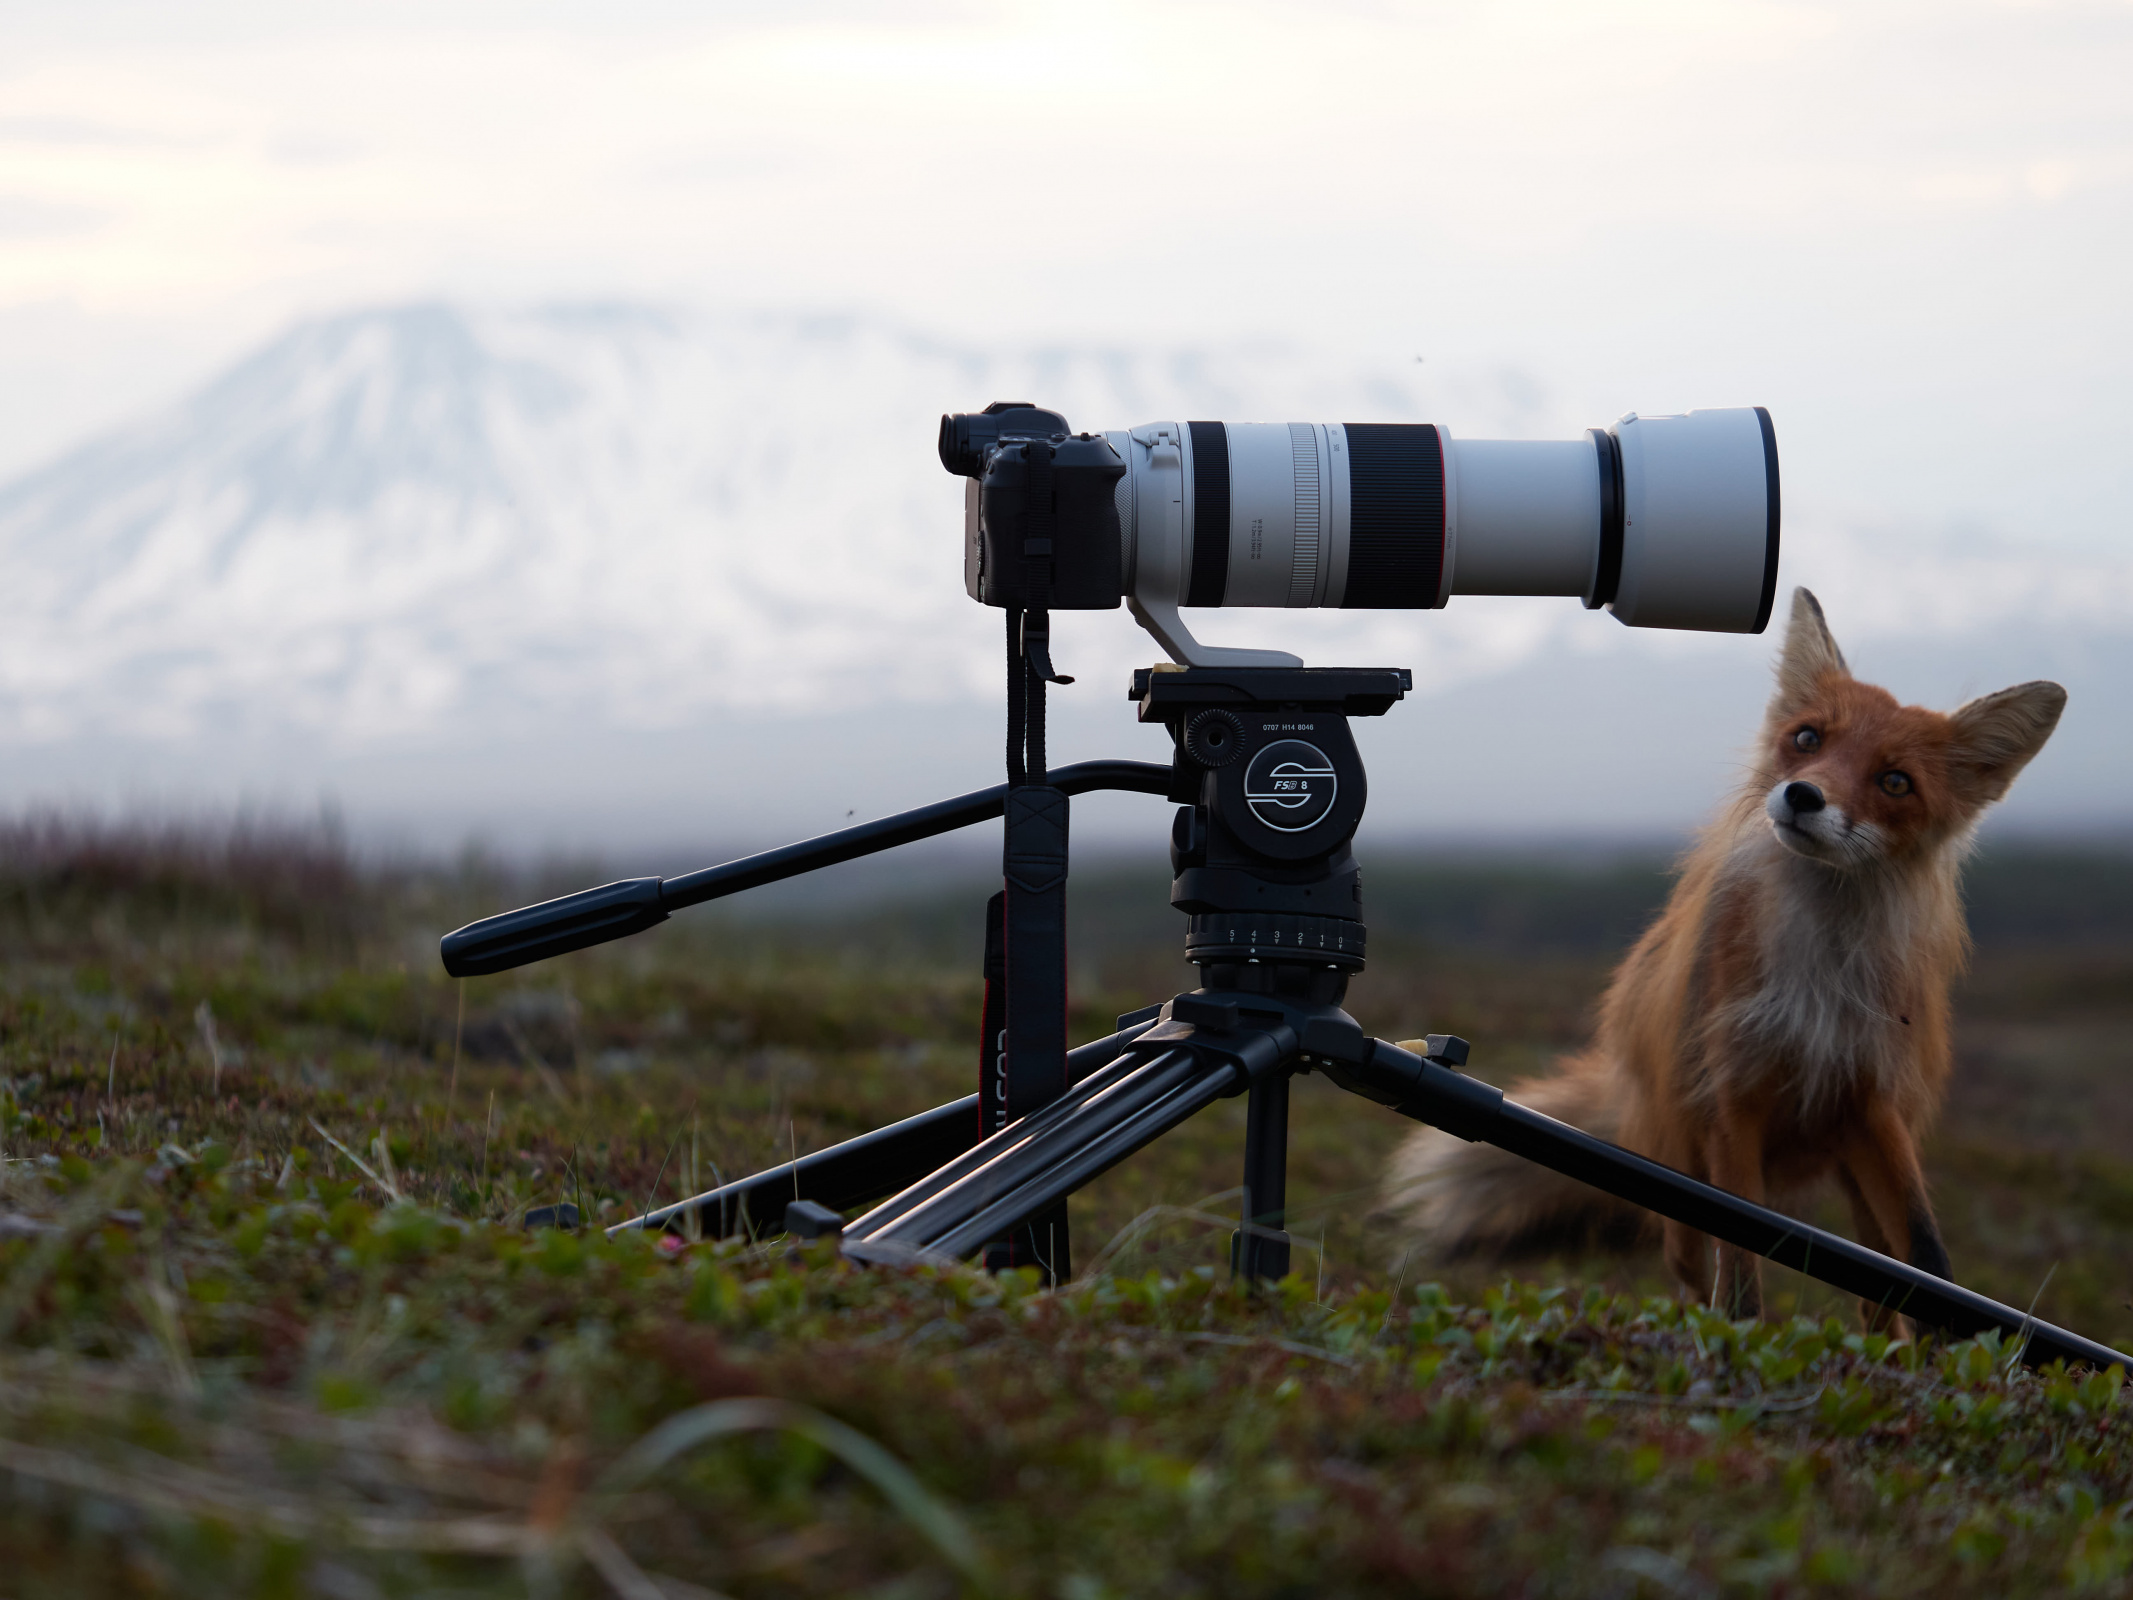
1803	798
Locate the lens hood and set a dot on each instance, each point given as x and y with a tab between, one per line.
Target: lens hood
1700	521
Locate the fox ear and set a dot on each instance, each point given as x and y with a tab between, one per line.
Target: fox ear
1996	735
1810	655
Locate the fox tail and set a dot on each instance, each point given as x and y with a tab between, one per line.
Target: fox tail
1474	1201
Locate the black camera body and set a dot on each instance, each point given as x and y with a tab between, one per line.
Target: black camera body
1040	512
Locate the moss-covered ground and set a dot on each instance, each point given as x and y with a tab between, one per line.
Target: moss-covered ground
270	1322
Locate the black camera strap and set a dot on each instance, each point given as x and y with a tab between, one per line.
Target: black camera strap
1022	1065
1022	1057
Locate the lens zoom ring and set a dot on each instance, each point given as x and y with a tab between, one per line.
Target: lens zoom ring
1210	514
1223	936
1395	516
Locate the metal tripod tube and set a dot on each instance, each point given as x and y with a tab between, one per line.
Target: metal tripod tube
922	1214
1260	1249
1069	1150
1429	1091
885	1161
1837	1261
1058	1138
989	1150
612	911
1091	1159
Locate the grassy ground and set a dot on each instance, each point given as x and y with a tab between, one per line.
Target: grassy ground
269	1323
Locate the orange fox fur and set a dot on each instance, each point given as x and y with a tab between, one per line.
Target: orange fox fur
1785	1020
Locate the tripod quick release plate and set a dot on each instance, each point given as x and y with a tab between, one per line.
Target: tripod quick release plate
1168	694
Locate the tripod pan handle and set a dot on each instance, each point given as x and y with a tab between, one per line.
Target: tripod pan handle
589	917
616	910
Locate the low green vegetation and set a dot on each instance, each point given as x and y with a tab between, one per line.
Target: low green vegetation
270	1322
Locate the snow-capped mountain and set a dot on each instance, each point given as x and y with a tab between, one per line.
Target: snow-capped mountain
391	519
487	551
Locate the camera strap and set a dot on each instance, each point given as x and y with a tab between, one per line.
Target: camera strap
1022	1046
1039	527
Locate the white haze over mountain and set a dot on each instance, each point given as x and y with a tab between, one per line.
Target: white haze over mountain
618	573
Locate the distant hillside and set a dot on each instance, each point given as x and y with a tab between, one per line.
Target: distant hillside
2021	896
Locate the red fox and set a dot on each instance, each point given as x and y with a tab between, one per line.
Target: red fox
1785	1020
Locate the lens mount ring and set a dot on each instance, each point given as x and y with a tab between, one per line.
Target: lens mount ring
1215	738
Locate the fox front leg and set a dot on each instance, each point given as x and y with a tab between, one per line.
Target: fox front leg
1734	1153
1690	1256
1887	1190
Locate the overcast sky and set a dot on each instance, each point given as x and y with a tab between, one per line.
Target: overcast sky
1907	228
1904	227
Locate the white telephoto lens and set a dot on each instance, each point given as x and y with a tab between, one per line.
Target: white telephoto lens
1525	516
1670	522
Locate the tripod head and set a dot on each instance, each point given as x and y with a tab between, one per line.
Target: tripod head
1271	789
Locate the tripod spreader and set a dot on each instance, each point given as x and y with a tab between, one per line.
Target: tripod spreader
617	910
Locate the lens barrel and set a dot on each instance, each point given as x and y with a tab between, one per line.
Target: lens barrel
1669	522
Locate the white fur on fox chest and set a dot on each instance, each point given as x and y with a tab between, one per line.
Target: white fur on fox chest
1835	947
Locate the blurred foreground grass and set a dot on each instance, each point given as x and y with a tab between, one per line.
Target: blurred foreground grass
269	1323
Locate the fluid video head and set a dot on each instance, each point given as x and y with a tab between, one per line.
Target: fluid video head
1668	522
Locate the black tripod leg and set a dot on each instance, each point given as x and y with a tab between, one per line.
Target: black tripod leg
870	1166
1260	1249
843	1175
1026	1169
1428	1090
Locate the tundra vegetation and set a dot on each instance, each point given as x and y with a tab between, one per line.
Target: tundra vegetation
270	1322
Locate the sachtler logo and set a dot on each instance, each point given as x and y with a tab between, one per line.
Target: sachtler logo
1290	786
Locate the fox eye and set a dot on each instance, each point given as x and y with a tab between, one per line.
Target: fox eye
1895	783
1807	739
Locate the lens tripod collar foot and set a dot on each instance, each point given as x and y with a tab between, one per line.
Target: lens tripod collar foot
1167	628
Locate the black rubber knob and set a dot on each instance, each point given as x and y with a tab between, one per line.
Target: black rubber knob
1215	738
